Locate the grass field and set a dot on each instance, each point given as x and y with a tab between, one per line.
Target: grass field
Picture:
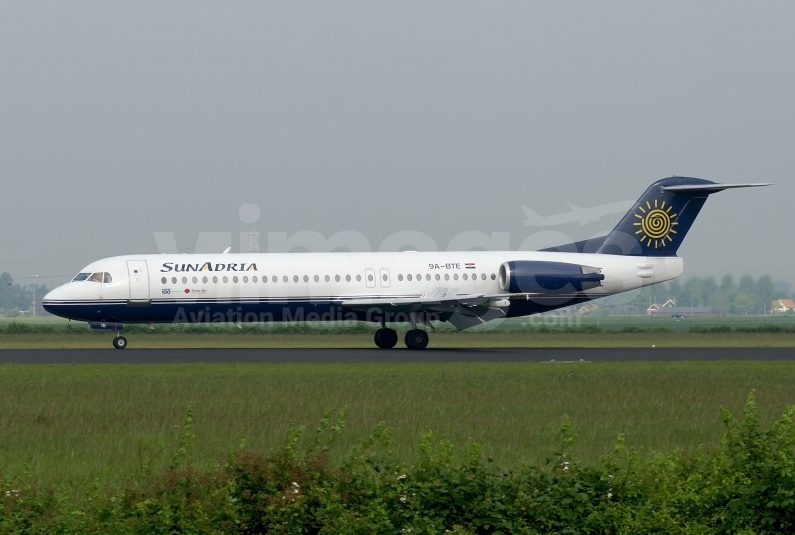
536	331
438	340
69	423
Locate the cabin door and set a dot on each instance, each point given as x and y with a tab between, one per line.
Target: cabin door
139	280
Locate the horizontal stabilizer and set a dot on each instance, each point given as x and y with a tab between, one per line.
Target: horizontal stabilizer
708	188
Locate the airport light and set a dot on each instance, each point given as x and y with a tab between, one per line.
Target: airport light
34	294
8	291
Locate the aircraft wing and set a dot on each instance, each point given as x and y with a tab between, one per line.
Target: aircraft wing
461	310
433	300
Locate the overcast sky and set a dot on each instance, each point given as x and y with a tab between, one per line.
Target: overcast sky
119	120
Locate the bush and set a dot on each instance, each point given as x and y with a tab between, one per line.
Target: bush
707	329
744	485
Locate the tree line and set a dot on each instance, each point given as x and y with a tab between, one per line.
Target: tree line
18	297
727	296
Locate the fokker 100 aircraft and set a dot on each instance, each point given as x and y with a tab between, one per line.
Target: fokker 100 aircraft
465	288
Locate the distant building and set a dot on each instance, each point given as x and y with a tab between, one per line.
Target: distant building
622	310
680	312
654	308
783	305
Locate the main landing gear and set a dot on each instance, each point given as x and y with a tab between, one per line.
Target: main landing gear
416	339
385	338
119	342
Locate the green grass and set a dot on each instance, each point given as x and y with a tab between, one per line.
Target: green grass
443	339
69	423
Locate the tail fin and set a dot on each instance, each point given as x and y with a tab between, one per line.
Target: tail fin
658	222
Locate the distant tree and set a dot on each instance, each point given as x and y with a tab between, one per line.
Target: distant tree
720	301
708	289
692	293
765	292
726	283
675	290
747	284
744	303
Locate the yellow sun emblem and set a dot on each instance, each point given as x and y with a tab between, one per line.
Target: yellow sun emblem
656	224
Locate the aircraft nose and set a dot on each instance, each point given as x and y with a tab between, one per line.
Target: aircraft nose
54	295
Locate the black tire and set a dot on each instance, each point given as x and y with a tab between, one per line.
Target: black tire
120	342
385	338
416	339
389	338
377	338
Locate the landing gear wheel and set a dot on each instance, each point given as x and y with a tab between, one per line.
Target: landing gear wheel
416	339
385	338
120	342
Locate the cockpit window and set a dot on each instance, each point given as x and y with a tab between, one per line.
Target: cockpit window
81	277
100	277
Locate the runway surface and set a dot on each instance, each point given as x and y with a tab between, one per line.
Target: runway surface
548	355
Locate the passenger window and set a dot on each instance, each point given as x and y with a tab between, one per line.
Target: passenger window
173	280
446	277
358	278
400	277
245	279
437	276
464	276
195	280
408	277
254	278
215	280
493	277
164	280
327	278
370	278
483	276
306	278
204	280
348	278
184	280
455	276
337	278
225	279
295	278
285	279
234	279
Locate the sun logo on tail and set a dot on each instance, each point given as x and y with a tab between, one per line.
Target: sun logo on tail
656	224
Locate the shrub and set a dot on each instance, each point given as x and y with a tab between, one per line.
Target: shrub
744	485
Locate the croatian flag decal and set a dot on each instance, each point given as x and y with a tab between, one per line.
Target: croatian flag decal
470	265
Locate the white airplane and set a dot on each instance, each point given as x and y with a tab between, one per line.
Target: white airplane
464	288
583	215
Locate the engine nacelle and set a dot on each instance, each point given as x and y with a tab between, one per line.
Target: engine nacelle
530	276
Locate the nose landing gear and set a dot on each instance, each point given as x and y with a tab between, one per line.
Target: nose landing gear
119	342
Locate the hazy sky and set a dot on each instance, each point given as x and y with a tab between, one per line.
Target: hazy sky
118	120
